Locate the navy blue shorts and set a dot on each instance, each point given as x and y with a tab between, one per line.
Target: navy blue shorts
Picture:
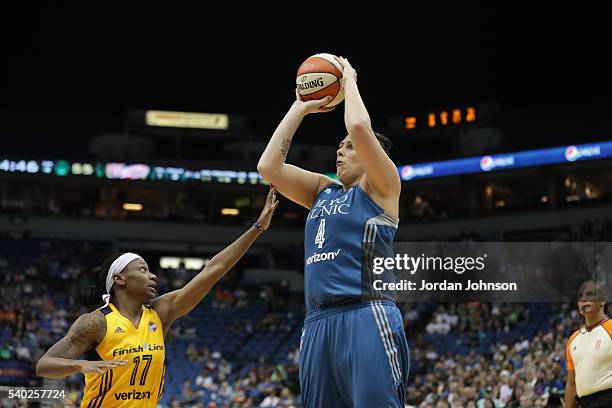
354	356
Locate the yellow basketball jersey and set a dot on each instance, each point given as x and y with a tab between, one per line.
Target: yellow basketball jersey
139	383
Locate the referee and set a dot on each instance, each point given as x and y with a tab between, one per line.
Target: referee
589	353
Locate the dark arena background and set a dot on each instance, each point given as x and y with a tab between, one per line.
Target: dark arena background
139	128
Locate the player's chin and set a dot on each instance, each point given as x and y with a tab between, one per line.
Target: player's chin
150	292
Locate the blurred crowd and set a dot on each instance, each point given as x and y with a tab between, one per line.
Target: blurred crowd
513	371
462	354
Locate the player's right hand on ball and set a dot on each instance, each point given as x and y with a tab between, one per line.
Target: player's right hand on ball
99	367
314	106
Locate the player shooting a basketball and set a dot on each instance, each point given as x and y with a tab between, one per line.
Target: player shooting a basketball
354	353
123	341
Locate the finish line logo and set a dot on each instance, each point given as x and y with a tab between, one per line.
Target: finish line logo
489	163
573	153
409	172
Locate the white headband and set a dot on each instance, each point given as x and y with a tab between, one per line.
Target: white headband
116	267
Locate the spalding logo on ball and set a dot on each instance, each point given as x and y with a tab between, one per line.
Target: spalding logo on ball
318	77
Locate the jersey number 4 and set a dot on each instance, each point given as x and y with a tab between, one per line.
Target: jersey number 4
320	238
143	377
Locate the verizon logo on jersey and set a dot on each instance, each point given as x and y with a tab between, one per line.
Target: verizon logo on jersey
324	256
136	395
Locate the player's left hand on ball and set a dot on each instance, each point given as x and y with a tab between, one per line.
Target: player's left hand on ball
347	68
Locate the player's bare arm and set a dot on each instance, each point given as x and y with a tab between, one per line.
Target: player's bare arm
299	185
381	179
178	303
62	359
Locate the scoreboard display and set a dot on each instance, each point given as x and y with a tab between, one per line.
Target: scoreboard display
128	171
441	119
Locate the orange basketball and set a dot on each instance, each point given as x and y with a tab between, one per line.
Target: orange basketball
318	77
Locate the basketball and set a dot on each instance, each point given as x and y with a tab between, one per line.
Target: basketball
318	77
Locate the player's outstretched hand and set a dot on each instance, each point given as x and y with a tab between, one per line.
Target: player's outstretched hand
99	367
314	106
268	210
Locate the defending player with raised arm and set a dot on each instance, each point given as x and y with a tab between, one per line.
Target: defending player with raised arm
123	341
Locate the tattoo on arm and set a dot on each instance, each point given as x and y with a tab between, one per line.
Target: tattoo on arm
285	147
71	347
83	336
